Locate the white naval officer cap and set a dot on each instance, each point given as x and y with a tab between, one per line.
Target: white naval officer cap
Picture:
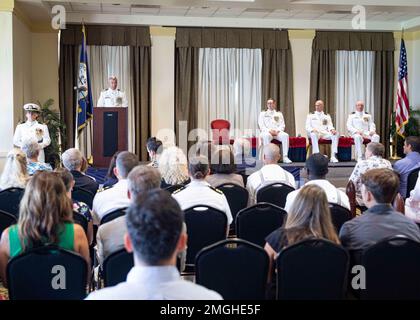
32	107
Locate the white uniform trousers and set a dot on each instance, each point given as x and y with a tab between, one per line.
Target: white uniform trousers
358	142
282	136
328	136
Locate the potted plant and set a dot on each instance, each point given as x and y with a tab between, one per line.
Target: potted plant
57	130
412	128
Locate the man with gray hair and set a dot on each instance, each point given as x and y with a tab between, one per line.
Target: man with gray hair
112	97
31	148
110	236
374	160
271	172
73	160
116	197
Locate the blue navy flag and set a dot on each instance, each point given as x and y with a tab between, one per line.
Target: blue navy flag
84	93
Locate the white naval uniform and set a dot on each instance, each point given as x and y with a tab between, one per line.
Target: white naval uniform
270	173
334	195
323	124
266	122
199	192
112	98
361	121
28	130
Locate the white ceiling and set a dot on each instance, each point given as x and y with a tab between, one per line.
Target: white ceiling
268	10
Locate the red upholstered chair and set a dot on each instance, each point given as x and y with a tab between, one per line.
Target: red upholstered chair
220	131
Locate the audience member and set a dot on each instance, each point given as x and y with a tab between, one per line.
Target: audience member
116	197
308	217
45	217
380	221
73	161
154	148
374	154
412	203
271	172
78	206
200	192
31	148
15	173
110	177
173	167
317	170
110	236
155	236
245	163
409	163
222	169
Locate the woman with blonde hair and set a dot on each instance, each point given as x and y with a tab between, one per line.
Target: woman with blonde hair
45	217
15	173
173	167
309	217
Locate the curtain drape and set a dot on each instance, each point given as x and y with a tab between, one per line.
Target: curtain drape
277	83
138	41
354	81
384	95
189	40
229	88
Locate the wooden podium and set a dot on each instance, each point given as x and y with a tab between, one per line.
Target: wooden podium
109	134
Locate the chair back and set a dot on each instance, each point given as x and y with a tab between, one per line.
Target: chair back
235	268
113	215
47	273
255	223
6	220
392	269
236	196
205	226
10	200
83	195
116	267
173	188
275	193
412	180
339	215
313	269
351	194
220	131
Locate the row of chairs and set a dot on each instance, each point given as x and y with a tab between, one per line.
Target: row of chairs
312	269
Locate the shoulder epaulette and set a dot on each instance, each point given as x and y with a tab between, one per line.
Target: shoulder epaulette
366	112
217	190
353	112
178	190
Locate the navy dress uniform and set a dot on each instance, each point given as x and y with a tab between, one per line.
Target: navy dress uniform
360	125
319	125
32	129
112	98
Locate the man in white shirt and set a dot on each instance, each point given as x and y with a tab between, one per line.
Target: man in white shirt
32	129
199	191
360	125
110	236
116	197
319	125
271	172
271	123
317	170
112	97
155	236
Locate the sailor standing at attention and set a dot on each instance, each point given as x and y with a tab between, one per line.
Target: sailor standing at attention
112	97
32	129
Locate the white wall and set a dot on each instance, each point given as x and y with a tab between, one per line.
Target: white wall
45	67
6	84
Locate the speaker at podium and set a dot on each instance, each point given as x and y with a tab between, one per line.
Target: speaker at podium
109	134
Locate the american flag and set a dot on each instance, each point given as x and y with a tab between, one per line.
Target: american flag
402	111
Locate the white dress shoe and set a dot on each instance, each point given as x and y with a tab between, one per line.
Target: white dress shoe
333	159
286	160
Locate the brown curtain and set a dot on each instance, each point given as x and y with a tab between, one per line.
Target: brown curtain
138	38
384	95
322	81
277	83
277	67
